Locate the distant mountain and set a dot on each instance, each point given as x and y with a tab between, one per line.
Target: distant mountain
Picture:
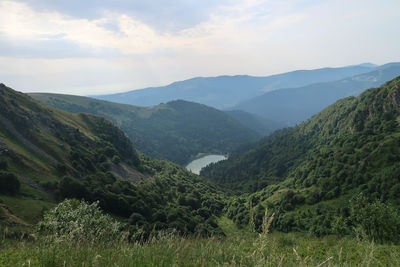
255	122
47	155
175	131
226	91
320	174
294	105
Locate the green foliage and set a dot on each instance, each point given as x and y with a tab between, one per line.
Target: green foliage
308	173
3	165
262	168
72	220
238	249
71	188
97	162
115	143
116	159
173	199
378	221
332	150
304	175
9	183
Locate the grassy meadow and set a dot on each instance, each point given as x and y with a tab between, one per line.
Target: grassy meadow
240	247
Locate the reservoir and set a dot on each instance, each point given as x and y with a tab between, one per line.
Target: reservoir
196	165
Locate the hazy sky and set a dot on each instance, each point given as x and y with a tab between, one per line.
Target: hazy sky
98	46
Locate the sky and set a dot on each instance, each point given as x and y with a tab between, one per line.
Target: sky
87	47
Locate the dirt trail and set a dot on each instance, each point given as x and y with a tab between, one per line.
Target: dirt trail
10	127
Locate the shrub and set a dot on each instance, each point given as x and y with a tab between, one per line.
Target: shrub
72	188
3	165
72	220
116	159
9	183
376	220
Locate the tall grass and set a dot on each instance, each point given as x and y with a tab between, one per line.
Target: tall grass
171	250
239	248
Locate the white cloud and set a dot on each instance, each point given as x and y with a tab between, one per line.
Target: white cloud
22	23
256	37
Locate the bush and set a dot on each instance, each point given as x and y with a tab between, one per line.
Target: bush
9	183
376	220
3	165
116	160
72	188
72	220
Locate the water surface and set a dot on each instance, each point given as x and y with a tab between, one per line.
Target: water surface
196	165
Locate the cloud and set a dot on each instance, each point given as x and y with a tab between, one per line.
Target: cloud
129	35
46	45
163	15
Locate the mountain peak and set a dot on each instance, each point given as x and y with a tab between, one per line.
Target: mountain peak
368	65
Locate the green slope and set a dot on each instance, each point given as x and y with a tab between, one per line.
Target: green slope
175	131
308	173
47	155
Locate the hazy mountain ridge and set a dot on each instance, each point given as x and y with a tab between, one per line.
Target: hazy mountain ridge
294	105
175	131
226	91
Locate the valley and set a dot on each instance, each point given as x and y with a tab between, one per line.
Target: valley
175	131
327	177
199	133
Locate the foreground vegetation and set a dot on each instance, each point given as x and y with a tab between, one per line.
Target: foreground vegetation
79	234
238	249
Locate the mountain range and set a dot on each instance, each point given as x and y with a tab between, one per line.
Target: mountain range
226	91
272	102
293	105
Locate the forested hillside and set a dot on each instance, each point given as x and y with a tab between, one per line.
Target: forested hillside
308	173
47	155
175	131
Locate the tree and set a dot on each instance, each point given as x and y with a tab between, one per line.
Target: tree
72	188
9	183
72	220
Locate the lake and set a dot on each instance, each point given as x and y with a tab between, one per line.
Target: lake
196	165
